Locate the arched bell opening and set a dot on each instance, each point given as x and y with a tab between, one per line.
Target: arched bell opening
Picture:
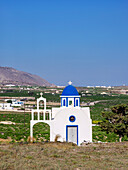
35	116
41	115
41	104
47	115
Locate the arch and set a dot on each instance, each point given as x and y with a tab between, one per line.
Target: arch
71	102
77	102
38	102
41	115
47	115
64	102
33	122
41	131
41	104
35	115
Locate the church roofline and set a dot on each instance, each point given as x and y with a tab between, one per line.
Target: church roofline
70	96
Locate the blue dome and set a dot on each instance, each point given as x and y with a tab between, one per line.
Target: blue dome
70	91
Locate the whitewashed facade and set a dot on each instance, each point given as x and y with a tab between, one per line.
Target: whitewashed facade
70	122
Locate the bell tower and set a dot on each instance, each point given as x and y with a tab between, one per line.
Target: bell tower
70	97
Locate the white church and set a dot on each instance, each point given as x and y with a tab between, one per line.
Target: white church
70	122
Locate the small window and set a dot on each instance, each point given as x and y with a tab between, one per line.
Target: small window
70	102
72	118
64	102
77	102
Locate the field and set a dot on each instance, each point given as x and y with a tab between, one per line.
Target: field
21	130
64	156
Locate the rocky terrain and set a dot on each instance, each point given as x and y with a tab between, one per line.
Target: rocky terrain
10	75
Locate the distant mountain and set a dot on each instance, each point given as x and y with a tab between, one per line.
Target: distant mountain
10	75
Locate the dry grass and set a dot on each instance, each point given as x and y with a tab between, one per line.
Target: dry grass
5	140
64	156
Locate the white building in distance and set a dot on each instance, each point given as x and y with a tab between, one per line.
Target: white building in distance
70	122
17	103
5	106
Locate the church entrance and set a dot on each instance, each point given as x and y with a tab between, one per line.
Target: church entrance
72	134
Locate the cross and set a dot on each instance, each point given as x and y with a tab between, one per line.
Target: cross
41	94
70	83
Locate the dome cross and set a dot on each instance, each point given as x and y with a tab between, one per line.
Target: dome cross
70	82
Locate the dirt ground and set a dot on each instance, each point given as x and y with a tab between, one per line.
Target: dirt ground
63	156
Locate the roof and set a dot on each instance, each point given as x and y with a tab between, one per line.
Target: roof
70	91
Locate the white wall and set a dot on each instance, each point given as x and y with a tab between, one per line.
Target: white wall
6	106
61	119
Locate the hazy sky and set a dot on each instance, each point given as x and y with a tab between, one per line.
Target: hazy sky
85	41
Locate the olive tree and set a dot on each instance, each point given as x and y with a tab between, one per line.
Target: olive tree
116	120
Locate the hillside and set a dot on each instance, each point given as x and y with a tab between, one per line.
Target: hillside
10	75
